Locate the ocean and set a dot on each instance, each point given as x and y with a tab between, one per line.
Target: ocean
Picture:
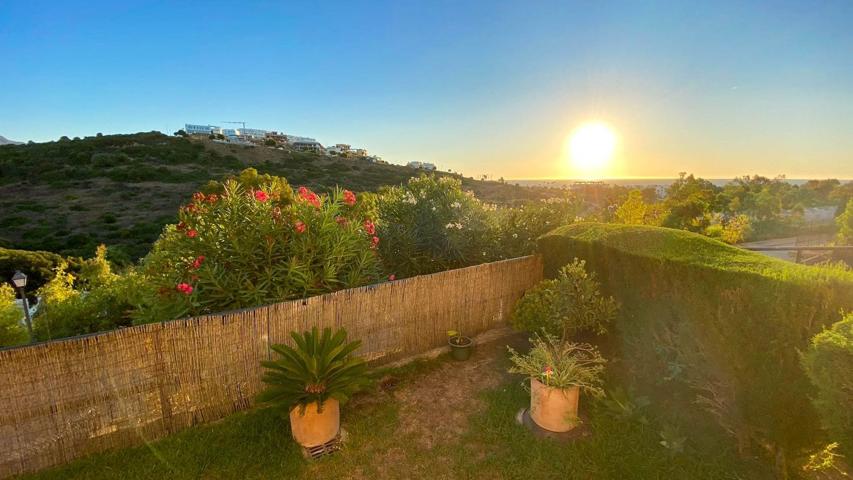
637	182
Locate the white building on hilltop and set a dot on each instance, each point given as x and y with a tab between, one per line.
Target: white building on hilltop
430	167
200	129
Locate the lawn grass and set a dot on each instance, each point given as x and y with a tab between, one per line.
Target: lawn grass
257	445
617	448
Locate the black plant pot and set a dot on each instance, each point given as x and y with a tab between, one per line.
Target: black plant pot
460	351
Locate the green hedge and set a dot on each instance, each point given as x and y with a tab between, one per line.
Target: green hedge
719	322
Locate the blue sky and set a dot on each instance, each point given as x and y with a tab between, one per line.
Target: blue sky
715	88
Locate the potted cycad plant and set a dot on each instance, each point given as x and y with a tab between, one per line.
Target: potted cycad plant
311	380
555	310
558	372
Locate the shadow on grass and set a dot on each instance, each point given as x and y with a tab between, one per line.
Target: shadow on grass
496	447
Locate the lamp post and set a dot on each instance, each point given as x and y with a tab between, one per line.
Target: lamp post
19	280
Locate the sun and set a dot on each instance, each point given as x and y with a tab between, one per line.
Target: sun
590	150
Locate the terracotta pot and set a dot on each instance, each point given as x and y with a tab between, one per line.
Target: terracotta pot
312	428
554	409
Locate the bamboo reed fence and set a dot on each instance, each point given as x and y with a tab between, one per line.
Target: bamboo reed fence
65	399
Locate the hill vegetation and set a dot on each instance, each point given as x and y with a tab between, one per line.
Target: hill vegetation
71	195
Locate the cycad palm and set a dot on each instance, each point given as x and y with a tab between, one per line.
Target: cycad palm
320	367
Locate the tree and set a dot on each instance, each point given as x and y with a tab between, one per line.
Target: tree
845	225
181	133
690	201
635	211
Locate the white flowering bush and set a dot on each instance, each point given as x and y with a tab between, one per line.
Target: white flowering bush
520	226
431	224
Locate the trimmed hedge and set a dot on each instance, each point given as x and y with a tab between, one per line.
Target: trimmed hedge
724	323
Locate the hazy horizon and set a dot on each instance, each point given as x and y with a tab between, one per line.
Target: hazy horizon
715	89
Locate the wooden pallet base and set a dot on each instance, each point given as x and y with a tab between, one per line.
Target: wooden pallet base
328	448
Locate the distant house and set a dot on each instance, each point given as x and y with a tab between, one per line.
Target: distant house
361	152
278	138
422	166
200	129
339	148
307	145
376	159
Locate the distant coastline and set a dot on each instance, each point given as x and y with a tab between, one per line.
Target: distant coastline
639	182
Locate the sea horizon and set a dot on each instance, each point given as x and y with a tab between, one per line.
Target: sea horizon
645	182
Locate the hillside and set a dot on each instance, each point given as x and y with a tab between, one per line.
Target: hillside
6	141
70	195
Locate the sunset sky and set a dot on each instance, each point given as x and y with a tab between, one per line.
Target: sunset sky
715	88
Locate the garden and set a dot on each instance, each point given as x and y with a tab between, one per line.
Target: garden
646	352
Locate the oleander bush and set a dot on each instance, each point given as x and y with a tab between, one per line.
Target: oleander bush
829	364
720	324
430	224
256	242
519	226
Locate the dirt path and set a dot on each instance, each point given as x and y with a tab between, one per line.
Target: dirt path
436	407
434	411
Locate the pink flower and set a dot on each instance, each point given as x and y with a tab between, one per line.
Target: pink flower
197	262
349	198
392	277
261	196
198	197
299	226
184	288
192	233
181	226
548	371
212	198
369	227
374	242
309	196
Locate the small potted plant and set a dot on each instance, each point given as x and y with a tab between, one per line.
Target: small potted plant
311	380
558	372
460	345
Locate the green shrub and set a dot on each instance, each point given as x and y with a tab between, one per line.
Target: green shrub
319	368
719	322
430	225
250	246
845	225
11	330
729	230
566	305
94	300
829	364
